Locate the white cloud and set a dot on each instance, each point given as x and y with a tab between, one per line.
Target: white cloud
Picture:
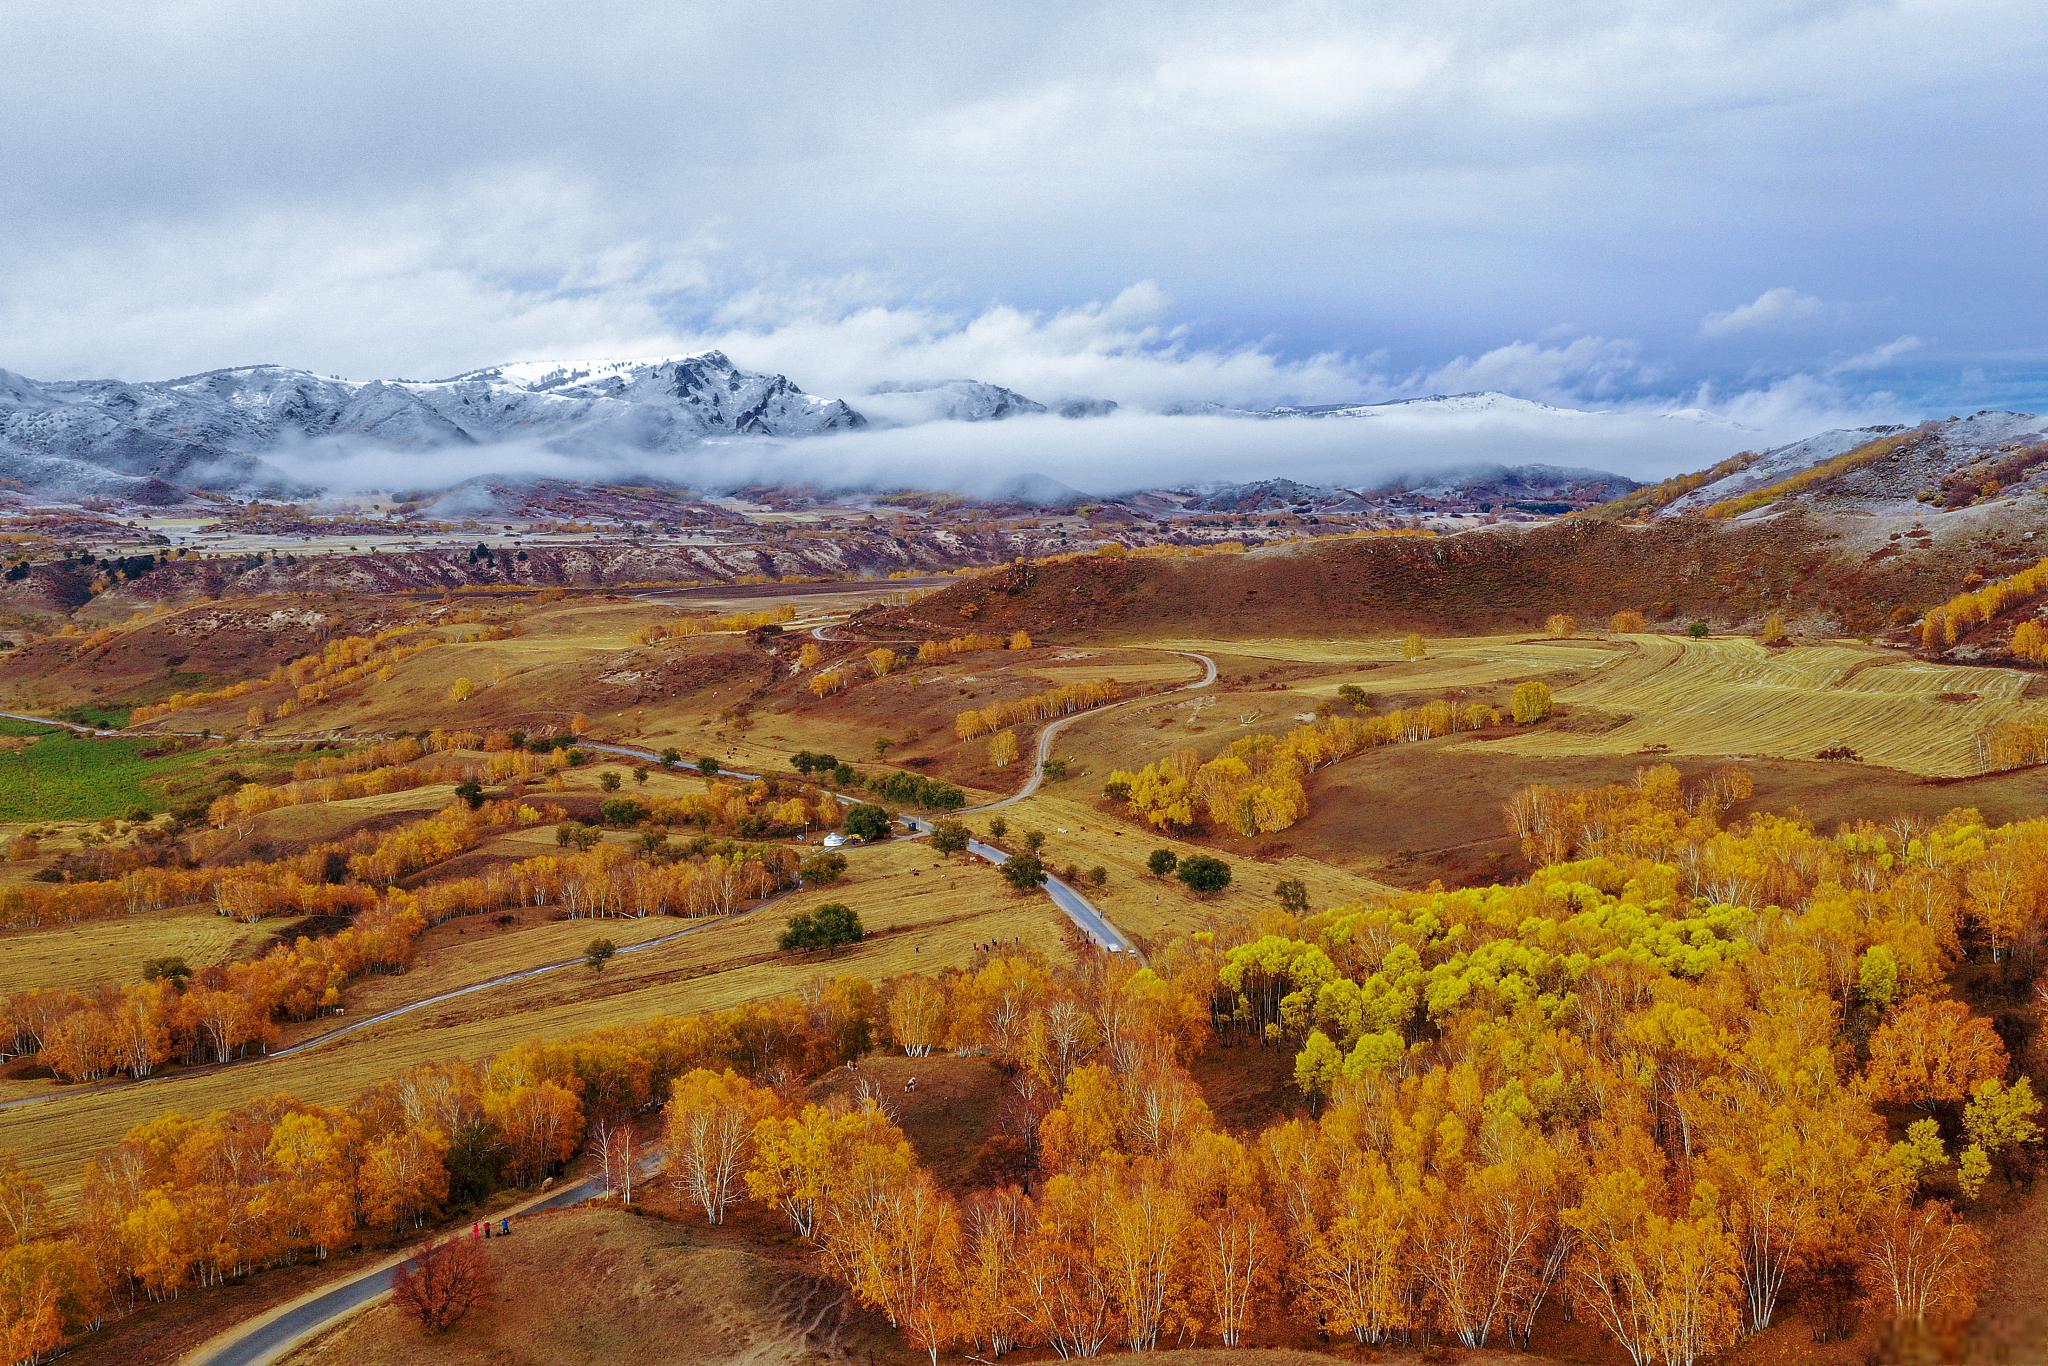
1877	357
374	189
1582	369
1093	455
504	263
1799	405
1127	348
1780	307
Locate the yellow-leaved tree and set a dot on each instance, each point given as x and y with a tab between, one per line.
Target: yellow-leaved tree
1002	749
1530	702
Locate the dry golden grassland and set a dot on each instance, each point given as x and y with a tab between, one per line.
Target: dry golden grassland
82	956
913	708
1268	686
1719	697
598	1285
1735	697
920	912
1462	661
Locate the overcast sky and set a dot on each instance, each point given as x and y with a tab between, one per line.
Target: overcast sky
1791	212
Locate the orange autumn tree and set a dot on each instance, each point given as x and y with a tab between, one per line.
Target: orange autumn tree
439	1286
890	1233
1002	749
1662	1284
1933	1053
1233	1252
1927	1268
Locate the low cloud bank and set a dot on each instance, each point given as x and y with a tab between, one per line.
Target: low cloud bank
1106	455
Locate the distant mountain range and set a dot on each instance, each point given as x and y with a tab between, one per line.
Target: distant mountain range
269	429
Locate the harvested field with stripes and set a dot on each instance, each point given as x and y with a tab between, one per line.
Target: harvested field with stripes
1735	697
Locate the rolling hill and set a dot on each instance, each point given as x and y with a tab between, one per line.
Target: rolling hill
1508	577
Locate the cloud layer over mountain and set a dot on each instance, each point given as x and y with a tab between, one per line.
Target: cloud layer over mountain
708	423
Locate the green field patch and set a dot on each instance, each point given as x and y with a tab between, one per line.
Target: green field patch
58	776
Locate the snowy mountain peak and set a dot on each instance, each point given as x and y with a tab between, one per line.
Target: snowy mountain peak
219	428
955	400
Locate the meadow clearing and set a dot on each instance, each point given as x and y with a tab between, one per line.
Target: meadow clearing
48	774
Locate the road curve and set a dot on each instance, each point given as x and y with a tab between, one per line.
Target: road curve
269	1336
1052	732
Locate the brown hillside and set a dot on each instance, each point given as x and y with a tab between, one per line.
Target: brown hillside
1844	575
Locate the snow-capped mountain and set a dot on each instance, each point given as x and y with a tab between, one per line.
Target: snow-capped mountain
1509	483
902	403
269	428
216	429
953	400
1481	404
709	392
1985	457
1488	484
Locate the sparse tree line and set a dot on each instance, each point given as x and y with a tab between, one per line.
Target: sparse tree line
1064	700
395	766
884	660
312	677
2016	744
1811	477
612	881
974	642
330	878
746	809
339	665
1259	784
683	628
253	799
228	1010
1943	626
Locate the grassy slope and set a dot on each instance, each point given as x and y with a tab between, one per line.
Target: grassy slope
1501	578
1733	697
596	1285
84	955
